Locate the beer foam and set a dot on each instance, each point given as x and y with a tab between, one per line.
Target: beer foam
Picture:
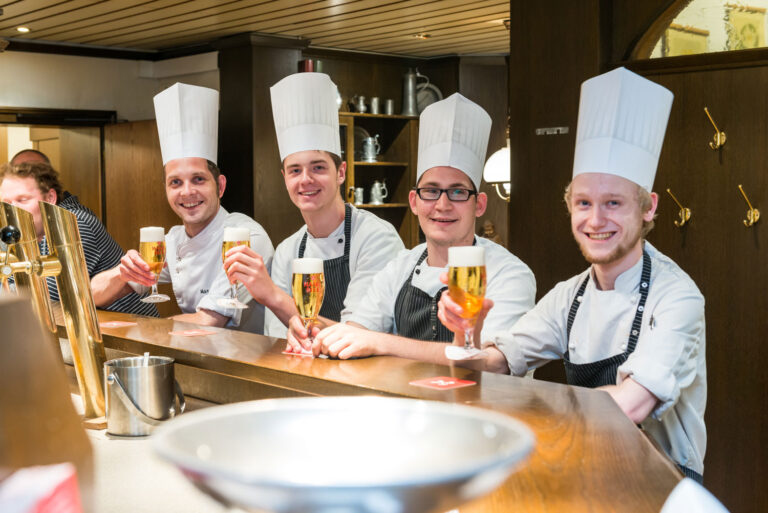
466	256
152	234
307	265
236	233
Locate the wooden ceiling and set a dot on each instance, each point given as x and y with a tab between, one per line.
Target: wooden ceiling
455	27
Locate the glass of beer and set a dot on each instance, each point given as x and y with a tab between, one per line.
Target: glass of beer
466	285
152	251
308	289
233	237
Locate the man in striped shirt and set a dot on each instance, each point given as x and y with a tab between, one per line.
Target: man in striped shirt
29	179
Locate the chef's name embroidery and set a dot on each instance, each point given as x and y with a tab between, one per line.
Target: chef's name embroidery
203	291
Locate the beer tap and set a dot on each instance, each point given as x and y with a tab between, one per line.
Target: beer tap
66	262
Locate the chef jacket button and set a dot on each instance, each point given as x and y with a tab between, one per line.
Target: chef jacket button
644	285
178	259
634	332
340	241
640	308
624	347
418	271
572	345
579	298
178	271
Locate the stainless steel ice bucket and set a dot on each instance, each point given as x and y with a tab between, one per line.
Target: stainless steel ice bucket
141	393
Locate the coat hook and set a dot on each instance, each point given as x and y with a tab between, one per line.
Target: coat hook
753	214
685	213
719	136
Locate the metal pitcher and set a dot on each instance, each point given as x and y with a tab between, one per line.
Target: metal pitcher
141	393
409	91
378	192
371	148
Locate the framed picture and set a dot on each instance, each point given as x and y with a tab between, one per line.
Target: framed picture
680	40
745	27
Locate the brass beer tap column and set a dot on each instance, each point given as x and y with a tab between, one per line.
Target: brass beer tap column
67	262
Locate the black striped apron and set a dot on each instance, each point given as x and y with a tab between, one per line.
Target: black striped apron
603	372
336	271
416	312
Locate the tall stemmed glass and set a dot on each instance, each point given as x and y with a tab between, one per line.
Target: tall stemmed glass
466	285
233	237
152	251
308	289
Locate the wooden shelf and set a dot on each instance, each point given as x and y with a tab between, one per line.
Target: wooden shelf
380	163
383	205
375	116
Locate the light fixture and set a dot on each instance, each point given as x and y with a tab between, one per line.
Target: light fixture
497	172
23	30
422	35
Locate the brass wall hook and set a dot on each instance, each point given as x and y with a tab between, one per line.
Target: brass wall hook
719	136
685	213
753	214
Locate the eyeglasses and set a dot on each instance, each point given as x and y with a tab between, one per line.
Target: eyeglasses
454	193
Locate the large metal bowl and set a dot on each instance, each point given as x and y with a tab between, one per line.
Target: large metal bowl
344	454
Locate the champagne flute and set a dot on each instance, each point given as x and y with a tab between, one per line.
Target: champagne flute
152	251
308	289
466	285
234	236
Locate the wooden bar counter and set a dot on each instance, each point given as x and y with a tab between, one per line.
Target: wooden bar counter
588	456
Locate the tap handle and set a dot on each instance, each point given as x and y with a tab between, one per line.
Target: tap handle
10	235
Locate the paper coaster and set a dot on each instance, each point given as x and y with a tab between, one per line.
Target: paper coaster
192	333
459	353
442	383
116	324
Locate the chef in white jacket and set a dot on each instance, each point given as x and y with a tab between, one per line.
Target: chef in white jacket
353	243
398	315
187	123
633	322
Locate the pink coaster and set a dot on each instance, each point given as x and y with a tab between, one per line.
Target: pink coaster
192	333
442	383
116	324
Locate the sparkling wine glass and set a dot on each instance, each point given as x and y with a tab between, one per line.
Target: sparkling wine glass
152	251
466	285
308	289
233	237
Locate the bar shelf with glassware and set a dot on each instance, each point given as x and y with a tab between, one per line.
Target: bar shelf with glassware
392	164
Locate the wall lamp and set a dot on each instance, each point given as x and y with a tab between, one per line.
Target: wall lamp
497	172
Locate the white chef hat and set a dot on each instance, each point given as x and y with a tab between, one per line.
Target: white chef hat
622	121
187	122
454	132
306	114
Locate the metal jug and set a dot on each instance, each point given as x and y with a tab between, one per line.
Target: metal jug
371	148
141	393
409	91
358	103
378	192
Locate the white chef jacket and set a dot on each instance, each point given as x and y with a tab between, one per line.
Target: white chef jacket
668	359
196	270
510	284
374	243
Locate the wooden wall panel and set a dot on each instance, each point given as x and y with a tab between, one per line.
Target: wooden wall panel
726	259
134	188
80	164
484	81
4	145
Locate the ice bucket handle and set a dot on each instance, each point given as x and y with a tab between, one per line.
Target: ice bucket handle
114	380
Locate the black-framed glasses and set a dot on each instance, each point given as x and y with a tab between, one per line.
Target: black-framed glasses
454	193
